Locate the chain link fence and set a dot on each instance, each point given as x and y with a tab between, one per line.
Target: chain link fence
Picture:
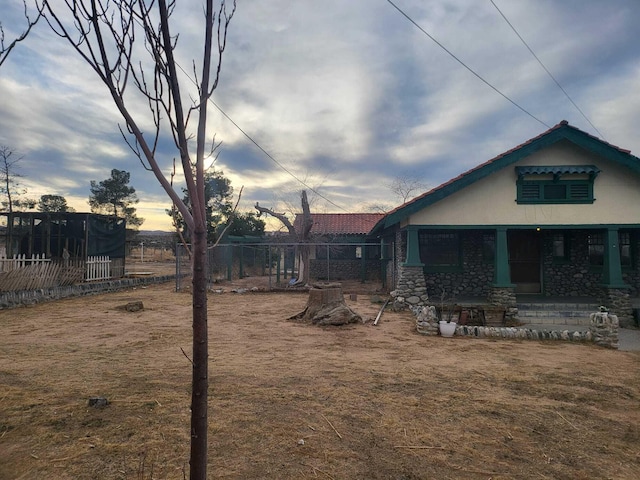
274	266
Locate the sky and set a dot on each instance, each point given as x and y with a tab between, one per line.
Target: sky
345	96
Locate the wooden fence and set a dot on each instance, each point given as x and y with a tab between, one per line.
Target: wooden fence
23	273
21	261
98	268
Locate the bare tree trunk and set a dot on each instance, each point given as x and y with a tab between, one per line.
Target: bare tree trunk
200	379
304	251
302	236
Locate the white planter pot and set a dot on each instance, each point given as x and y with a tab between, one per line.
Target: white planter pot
447	329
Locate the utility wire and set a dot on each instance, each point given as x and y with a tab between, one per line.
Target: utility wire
465	65
545	68
260	147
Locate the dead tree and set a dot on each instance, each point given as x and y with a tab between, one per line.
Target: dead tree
326	306
301	237
5	46
130	42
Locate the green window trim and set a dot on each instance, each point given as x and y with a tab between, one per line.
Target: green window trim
554	192
560	248
561	184
440	251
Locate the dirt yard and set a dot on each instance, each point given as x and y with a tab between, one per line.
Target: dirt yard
291	400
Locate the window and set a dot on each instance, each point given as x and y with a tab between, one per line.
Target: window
626	258
556	184
596	249
440	250
551	191
560	247
488	247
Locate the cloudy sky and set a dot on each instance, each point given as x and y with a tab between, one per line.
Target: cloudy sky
344	95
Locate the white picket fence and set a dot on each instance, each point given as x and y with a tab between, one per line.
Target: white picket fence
21	261
98	268
37	270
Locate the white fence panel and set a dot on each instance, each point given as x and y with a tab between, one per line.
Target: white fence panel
21	261
98	268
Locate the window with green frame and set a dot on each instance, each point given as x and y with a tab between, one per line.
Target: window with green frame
596	249
440	251
488	247
560	247
625	240
556	184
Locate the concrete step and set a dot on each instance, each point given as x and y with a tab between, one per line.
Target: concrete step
583	320
556	313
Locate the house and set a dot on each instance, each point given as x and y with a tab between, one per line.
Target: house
339	247
557	216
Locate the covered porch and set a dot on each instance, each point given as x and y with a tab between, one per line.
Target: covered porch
514	265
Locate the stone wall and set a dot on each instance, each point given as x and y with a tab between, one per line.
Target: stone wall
603	330
345	269
475	276
619	303
31	297
411	289
572	277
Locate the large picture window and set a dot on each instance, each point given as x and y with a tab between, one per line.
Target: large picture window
440	250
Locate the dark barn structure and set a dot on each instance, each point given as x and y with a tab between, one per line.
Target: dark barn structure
67	236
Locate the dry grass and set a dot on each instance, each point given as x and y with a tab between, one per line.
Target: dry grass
369	402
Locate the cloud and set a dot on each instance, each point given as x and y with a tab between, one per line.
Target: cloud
344	95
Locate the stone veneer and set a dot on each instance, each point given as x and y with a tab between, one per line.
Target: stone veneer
619	302
505	297
411	289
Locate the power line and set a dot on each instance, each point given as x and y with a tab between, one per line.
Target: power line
262	149
545	68
465	65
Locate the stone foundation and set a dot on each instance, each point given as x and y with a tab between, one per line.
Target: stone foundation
619	303
505	297
411	290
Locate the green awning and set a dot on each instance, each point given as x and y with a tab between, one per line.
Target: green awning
557	170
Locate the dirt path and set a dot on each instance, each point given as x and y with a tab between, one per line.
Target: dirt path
290	400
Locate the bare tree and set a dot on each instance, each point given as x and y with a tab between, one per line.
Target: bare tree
301	236
5	46
108	36
9	181
407	185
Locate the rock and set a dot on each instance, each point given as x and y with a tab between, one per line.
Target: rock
134	306
98	402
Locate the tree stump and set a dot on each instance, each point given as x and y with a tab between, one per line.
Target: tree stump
326	306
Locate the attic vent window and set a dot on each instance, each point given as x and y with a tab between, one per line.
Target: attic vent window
556	184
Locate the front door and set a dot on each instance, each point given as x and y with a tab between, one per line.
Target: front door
524	260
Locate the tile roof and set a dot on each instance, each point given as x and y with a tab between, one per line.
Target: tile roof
341	223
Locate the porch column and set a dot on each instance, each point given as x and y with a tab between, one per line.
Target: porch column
612	268
413	249
501	274
616	290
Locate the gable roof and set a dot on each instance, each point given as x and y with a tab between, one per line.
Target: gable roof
341	223
561	131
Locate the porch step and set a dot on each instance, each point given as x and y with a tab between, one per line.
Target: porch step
556	313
